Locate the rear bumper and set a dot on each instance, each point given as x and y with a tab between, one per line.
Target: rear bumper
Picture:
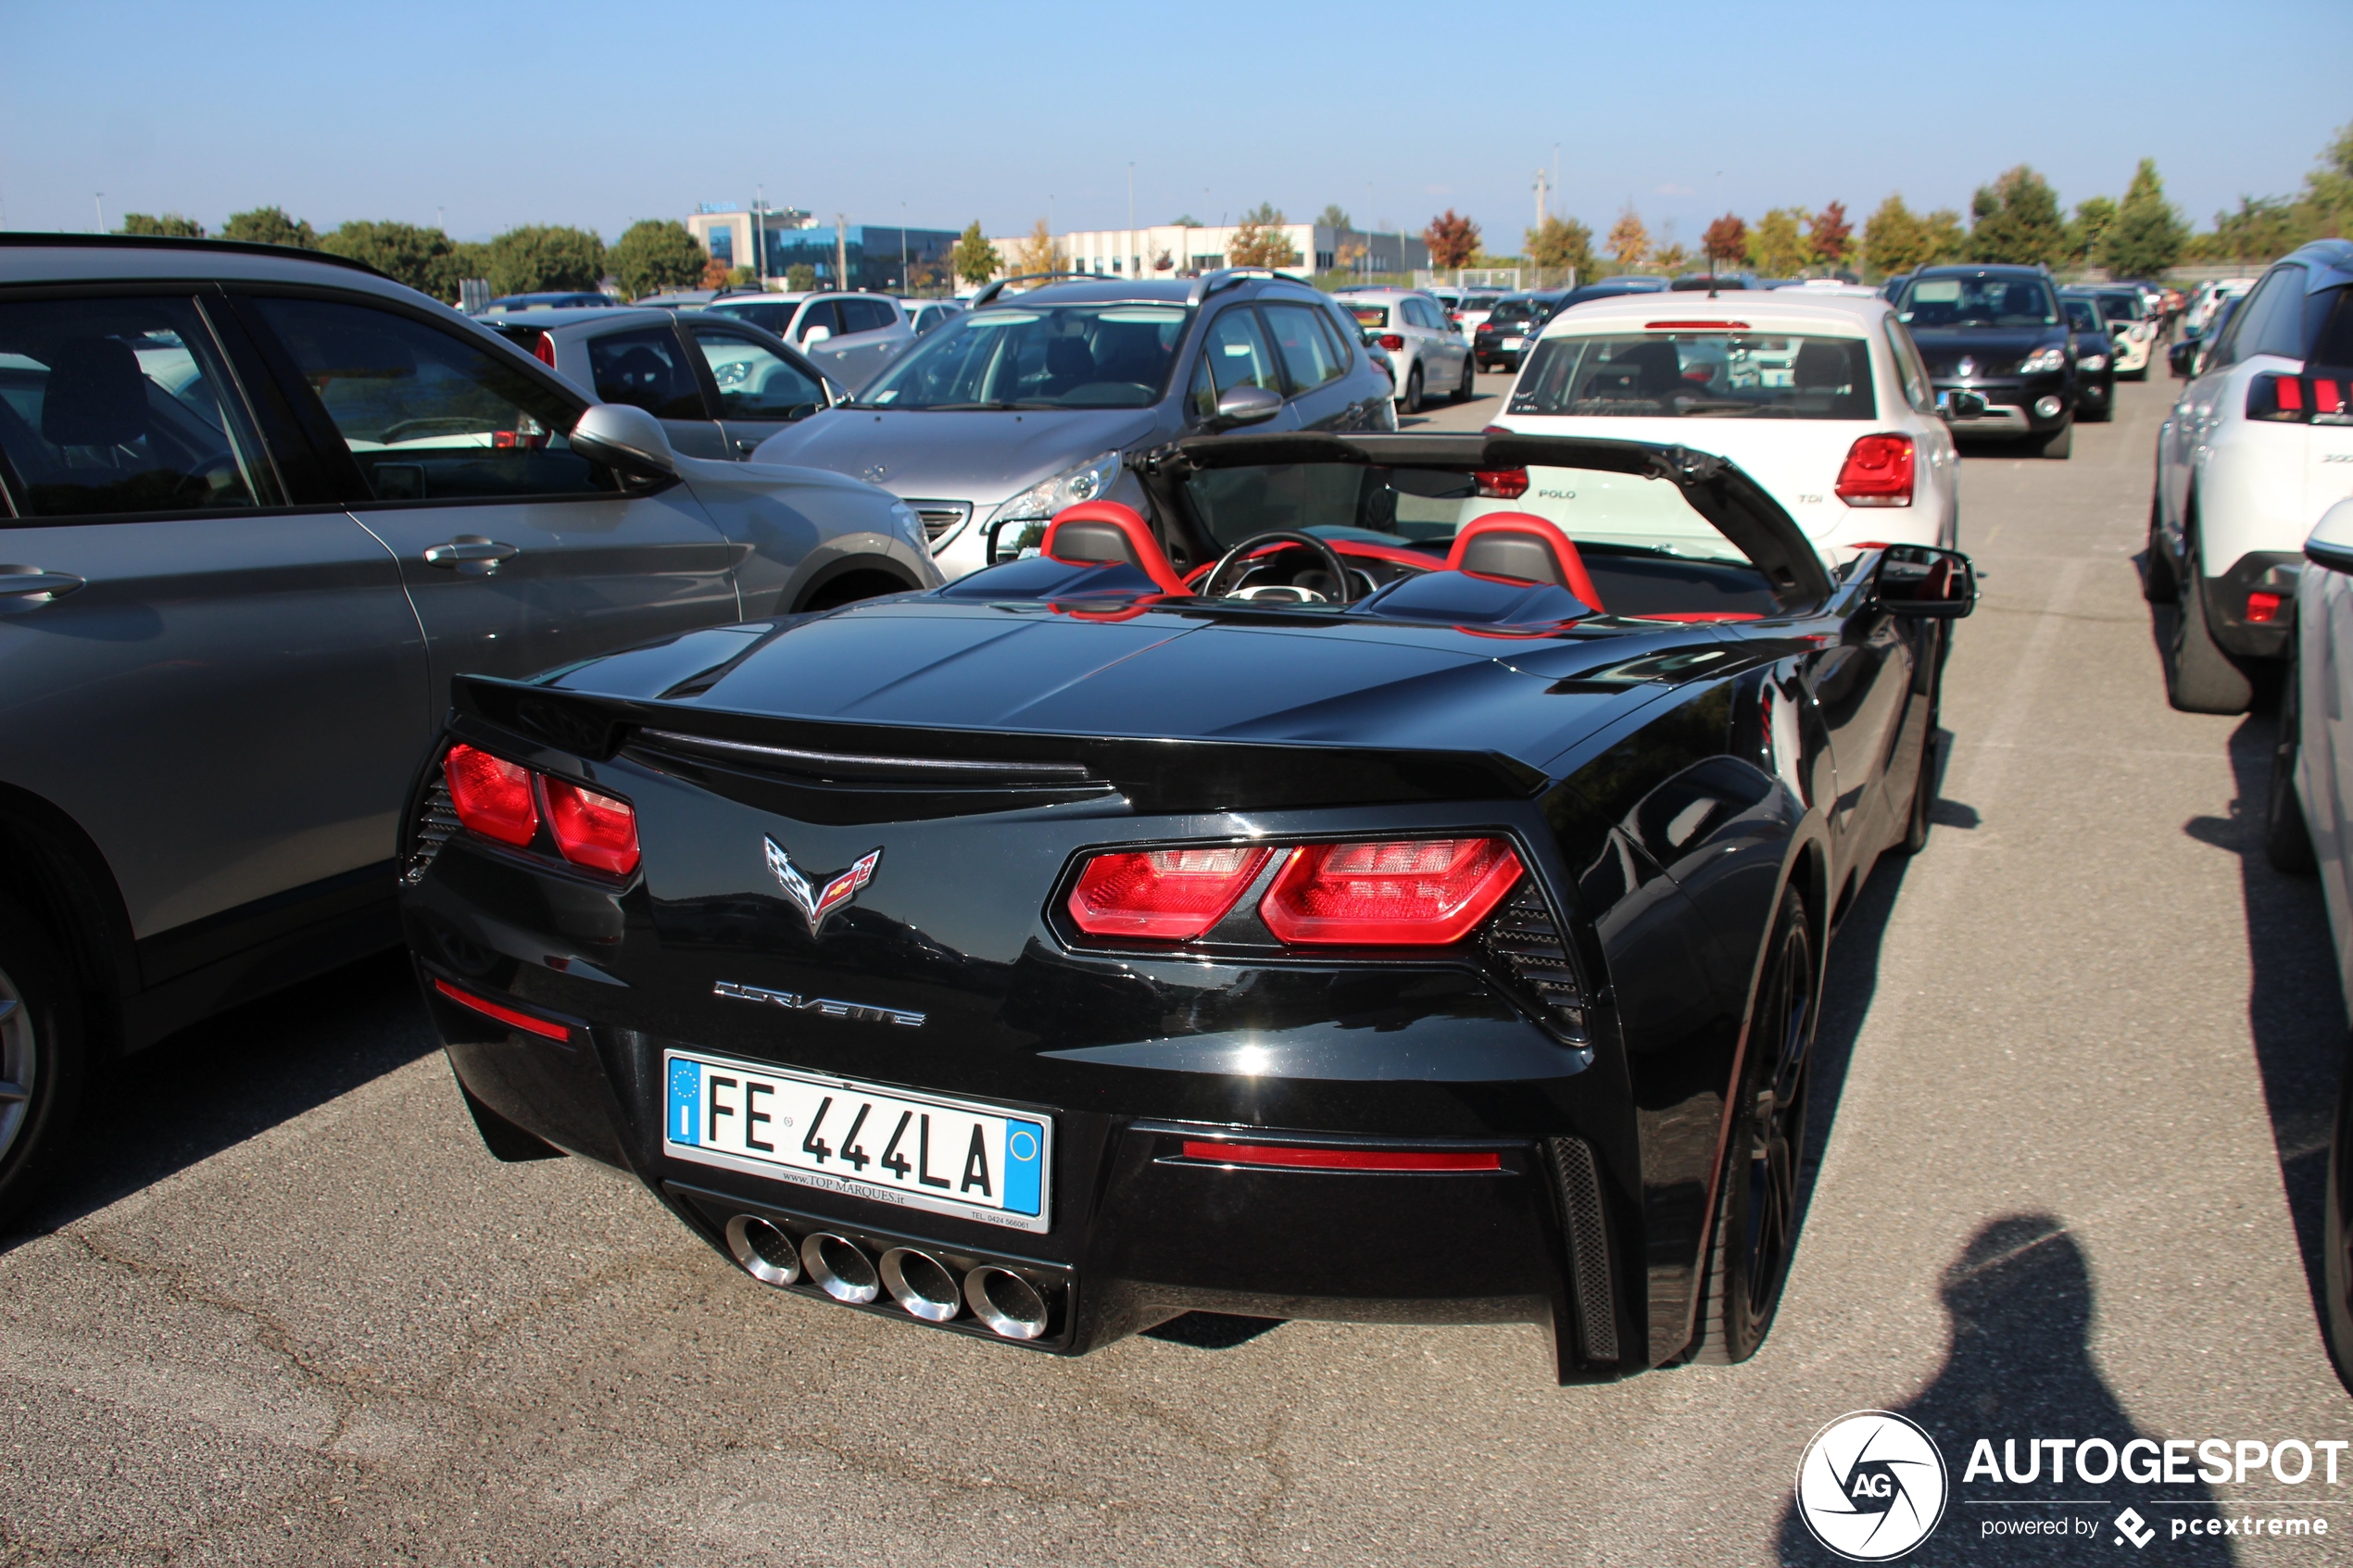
2227	612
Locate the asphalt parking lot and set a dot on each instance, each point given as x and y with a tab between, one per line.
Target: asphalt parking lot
2072	1124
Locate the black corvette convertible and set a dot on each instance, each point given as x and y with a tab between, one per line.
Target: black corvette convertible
1393	888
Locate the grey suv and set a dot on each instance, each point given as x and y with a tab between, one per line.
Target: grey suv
258	507
1029	402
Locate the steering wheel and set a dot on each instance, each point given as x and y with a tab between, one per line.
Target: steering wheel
1242	552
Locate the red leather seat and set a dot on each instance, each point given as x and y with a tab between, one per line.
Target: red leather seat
1107	533
1525	547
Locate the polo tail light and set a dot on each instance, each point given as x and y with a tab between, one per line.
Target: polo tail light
1168	895
491	796
1418	893
1877	471
591	828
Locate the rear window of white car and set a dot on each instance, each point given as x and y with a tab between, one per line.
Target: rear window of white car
1700	375
1369	315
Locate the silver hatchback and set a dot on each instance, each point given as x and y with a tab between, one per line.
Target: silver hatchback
259	508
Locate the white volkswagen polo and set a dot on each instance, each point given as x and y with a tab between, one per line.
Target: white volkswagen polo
1820	399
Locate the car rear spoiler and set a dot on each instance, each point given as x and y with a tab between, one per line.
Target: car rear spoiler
1153	773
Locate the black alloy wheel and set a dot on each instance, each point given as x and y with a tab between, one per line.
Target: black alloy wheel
2287	841
41	1057
1756	1208
2158	584
1412	402
2337	1244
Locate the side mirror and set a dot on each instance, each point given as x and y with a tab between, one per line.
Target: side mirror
1959	405
1246	406
1920	579
815	335
626	437
2182	359
2330	544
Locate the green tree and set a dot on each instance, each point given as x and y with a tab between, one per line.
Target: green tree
1946	238
742	278
2328	190
1561	242
170	224
1335	216
801	276
1452	238
419	257
468	258
1267	215
2017	220
546	257
655	254
976	260
2093	216
270	226
1893	241
1628	241
2147	234
2262	230
1261	243
1777	244
1182	221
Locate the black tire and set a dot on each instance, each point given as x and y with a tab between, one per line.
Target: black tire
2159	585
2199	677
2287	841
2101	415
2060	442
42	1058
1756	1206
1469	389
2337	1263
1412	402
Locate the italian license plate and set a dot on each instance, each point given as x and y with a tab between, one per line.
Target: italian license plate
1514	342
920	1152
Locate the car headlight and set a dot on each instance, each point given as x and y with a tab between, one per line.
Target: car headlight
2041	360
2139	332
1046	497
910	525
2094	362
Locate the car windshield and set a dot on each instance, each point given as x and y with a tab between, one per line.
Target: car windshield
1982	301
1645	547
2120	306
1515	312
1480	301
1038	356
2083	315
1714	375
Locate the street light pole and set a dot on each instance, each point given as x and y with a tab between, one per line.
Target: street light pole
1131	216
98	204
760	234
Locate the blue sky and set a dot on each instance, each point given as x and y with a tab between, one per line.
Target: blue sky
492	114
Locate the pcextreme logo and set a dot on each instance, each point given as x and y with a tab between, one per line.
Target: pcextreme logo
1871	1487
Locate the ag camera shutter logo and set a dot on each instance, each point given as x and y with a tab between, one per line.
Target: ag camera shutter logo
1871	1487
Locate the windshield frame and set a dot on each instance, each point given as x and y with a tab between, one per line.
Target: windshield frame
944	340
1907	303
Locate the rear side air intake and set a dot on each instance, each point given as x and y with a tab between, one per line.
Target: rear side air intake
1524	942
436	820
1587	1234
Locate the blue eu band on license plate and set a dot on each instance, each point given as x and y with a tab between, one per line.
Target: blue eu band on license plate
946	1156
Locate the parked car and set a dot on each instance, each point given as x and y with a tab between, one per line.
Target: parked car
1611	288
1723	282
2132	329
2198	316
2308	828
2094	356
1027	403
1997	335
1821	399
720	386
264	508
1430	356
1469	313
680	300
1501	340
1084	944
854	337
581	299
2258	446
926	314
2187	358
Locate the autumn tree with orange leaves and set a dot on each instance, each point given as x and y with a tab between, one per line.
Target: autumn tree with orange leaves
1453	238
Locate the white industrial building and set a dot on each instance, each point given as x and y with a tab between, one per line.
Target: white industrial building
1172	250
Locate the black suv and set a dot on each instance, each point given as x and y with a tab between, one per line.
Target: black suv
1503	340
1996	332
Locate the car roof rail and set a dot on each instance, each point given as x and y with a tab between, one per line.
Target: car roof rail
1225	278
179	241
993	290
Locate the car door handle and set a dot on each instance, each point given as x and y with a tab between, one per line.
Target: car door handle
469	554
25	582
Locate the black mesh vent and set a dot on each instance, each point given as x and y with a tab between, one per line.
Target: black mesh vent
1587	1234
436	820
1523	940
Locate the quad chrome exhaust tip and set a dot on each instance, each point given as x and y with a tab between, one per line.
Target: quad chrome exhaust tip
767	1254
839	1267
922	1284
1009	1304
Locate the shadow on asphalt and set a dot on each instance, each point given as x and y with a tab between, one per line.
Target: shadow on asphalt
2019	1367
221	1082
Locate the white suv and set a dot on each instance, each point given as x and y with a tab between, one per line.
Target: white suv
1820	399
852	337
2257	448
1427	353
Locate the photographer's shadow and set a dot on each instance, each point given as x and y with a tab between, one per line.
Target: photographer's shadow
2019	1367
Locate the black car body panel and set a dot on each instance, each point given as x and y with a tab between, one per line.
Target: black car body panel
1661	783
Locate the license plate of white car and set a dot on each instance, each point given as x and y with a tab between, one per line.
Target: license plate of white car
957	1157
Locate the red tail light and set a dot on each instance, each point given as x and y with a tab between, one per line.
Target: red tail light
1424	893
546	1028
491	796
1169	895
2263	607
1501	485
545	351
592	829
1393	342
1877	471
1296	1157
2300	400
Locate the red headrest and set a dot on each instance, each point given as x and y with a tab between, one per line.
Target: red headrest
1522	545
1104	532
